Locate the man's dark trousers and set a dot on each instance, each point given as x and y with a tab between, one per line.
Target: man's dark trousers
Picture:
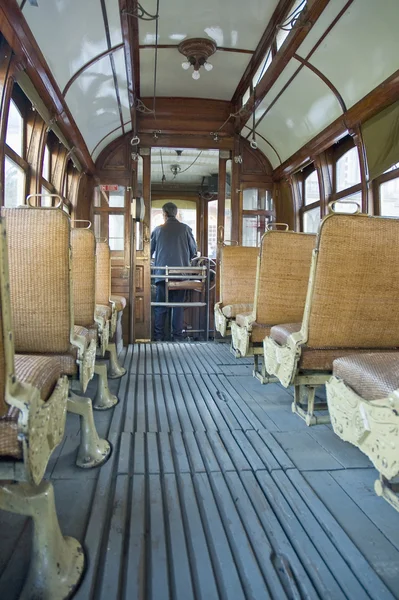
161	311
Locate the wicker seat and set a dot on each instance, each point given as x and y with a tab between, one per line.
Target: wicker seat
350	307
106	307
280	291
33	402
42	302
363	401
237	285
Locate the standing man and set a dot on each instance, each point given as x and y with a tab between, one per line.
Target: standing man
174	245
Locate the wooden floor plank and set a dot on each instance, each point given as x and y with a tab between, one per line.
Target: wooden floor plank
305	452
158	577
135	565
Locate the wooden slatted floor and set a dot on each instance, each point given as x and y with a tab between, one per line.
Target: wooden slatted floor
214	490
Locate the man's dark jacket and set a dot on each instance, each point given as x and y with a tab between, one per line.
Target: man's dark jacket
173	244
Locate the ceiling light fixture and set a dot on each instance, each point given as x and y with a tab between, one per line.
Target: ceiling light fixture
197	51
175	169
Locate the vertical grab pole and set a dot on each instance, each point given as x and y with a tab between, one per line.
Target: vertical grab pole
207	300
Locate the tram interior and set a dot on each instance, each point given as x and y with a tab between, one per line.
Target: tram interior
258	457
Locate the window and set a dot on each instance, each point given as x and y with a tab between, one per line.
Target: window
309	193
264	65
212	228
257	213
14	189
289	22
348	170
15	129
386	193
15	165
46	170
116	232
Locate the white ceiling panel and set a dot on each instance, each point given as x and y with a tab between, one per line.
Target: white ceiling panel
304	109
362	49
277	87
172	80
110	138
93	104
120	68
263	147
323	22
52	24
230	23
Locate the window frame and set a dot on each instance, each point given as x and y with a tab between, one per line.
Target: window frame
376	188
21	104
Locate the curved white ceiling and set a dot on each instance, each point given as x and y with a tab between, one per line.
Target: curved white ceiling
359	52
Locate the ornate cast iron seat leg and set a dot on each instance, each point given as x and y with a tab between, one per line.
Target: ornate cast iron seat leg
115	370
93	451
104	399
57	562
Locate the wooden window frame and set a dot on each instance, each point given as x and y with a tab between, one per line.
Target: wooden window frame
22	105
376	188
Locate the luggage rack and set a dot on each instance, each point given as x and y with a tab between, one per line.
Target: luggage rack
186	278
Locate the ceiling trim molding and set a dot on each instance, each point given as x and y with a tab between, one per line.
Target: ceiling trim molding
282	58
130	33
378	99
218	48
89	64
17	33
261	49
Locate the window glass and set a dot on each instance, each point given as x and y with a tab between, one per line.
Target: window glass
46	200
264	65
117	199
389	195
253	227
212	228
289	22
312	193
46	163
14	189
227	220
116	231
311	220
246	96
347	203
250	199
15	128
348	170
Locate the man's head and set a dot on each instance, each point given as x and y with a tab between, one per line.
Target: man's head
169	210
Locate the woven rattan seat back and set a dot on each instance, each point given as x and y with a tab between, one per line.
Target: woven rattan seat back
238	270
83	276
103	273
39	262
283	275
356	284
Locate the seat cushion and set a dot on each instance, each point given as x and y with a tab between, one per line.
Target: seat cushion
232	310
120	302
42	372
373	375
103	311
9	444
281	333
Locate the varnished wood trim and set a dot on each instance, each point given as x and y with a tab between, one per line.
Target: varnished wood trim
17	33
7	69
282	58
130	35
261	49
89	64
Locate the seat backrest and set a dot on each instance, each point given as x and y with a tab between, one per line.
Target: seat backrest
354	302
282	276
237	274
103	273
40	289
83	275
6	339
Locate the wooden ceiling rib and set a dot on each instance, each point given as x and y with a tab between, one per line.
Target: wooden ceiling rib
130	34
261	49
282	58
14	28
